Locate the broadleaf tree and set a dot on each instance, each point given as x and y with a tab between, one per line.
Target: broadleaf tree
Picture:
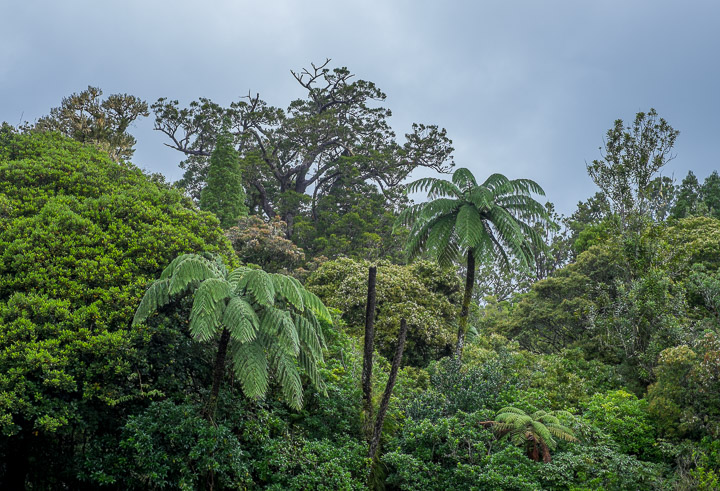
295	156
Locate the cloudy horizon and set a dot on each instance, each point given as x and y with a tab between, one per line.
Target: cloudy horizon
523	88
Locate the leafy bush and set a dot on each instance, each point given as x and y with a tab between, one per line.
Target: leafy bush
80	237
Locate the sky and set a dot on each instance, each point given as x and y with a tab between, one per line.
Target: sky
525	88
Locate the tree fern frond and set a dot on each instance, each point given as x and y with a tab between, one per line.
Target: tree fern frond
308	336
527	186
190	270
408	216
259	284
435	188
208	308
251	368
288	378
494	182
469	226
438	207
463	179
481	197
561	432
155	297
241	320
541	431
309	366
170	268
236	275
440	240
314	304
289	289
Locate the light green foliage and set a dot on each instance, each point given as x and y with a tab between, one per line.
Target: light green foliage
104	123
271	319
626	300
223	194
600	467
688	197
80	238
422	293
299	464
625	418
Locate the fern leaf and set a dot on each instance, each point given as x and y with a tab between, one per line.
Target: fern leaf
309	366
260	285
241	320
463	178
156	296
192	269
251	368
308	336
208	308
289	289
314	304
469	226
288	378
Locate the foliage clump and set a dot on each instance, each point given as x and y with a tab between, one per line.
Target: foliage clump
80	237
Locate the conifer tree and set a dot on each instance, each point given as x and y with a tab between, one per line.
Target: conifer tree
224	194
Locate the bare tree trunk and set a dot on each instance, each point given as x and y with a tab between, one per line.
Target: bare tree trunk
388	390
464	313
218	372
368	350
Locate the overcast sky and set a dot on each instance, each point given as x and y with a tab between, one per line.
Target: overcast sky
526	88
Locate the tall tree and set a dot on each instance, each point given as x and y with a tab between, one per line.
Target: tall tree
476	222
688	197
89	119
224	194
336	131
263	321
632	155
710	193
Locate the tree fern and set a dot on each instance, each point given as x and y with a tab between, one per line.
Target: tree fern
268	325
475	221
537	432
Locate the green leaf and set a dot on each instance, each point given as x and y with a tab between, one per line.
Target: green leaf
241	320
208	308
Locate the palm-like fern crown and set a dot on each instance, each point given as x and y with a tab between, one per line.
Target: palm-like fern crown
491	218
273	321
544	427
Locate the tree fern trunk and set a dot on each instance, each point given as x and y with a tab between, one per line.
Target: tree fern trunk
218	371
465	311
388	390
368	350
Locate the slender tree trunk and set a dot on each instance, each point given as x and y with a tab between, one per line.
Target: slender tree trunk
388	390
368	350
464	313
218	371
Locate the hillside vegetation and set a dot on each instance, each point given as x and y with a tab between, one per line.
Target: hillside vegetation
285	317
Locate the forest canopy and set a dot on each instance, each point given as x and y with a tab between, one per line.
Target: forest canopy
286	317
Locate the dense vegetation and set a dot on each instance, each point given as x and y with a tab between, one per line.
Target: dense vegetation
146	344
